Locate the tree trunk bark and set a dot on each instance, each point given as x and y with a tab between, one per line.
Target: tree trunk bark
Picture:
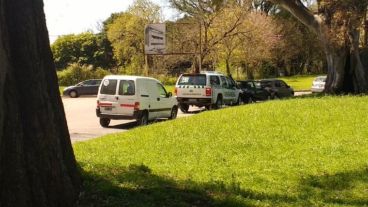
346	73
37	164
228	72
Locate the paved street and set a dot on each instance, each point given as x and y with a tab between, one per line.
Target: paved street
83	123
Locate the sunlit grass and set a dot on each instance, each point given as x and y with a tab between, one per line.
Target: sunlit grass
299	83
299	152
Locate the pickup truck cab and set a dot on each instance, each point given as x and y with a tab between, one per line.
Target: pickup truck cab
133	97
208	89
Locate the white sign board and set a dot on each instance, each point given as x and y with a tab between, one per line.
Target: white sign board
155	39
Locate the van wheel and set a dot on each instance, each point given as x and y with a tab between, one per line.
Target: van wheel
143	119
104	122
219	103
184	108
208	107
73	94
174	112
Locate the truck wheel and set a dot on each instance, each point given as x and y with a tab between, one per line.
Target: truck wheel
143	119
184	108
219	103
104	122
240	101
174	112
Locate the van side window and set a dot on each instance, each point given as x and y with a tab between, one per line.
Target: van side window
108	87
161	91
126	88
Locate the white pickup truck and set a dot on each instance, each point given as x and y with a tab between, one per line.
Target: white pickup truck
209	89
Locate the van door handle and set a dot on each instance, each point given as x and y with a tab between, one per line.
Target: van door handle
158	99
117	97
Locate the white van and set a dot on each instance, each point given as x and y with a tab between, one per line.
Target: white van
133	97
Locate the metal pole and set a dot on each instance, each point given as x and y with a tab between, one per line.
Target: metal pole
200	46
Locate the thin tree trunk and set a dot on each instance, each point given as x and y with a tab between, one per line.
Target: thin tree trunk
228	66
37	164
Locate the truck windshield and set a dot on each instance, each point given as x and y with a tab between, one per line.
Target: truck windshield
193	80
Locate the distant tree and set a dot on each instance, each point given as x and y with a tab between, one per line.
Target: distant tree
126	34
37	164
205	13
84	48
337	24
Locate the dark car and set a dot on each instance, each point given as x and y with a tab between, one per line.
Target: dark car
252	91
277	88
87	87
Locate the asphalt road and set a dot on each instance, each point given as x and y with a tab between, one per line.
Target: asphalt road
83	123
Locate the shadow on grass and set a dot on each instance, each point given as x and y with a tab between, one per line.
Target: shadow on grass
138	186
345	188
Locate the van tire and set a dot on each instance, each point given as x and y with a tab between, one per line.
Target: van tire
184	108
104	122
143	119
174	113
73	94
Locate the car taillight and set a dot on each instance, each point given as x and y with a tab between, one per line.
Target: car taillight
136	106
208	91
176	91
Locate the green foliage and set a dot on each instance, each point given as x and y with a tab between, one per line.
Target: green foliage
267	154
76	73
125	32
85	48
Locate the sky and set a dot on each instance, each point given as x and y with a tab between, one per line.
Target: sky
76	16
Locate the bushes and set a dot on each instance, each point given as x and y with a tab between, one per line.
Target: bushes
76	73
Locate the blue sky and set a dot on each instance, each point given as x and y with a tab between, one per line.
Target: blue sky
76	16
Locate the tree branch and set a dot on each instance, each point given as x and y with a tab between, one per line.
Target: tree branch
302	13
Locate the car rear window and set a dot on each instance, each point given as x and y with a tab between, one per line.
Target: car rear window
193	80
265	84
108	87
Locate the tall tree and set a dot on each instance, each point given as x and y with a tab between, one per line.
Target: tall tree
206	13
337	26
37	164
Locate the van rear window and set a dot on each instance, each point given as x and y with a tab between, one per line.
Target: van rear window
193	80
108	87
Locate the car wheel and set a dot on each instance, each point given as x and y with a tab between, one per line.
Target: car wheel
174	112
184	108
143	119
104	122
250	100
73	94
219	103
275	97
208	107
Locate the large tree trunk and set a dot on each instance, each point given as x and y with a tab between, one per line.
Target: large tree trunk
346	73
37	164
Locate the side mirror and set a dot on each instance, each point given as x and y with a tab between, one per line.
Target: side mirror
169	94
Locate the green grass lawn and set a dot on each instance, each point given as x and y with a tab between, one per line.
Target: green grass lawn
298	152
300	82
